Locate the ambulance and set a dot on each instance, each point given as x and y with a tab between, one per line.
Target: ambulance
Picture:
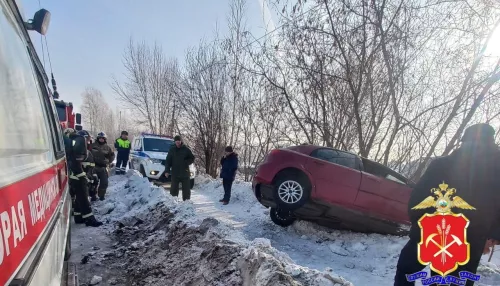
34	199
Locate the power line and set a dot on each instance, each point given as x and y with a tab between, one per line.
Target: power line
48	53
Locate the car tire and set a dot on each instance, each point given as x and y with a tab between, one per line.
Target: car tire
191	183
282	217
299	190
143	172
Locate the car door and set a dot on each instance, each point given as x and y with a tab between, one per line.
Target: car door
336	175
134	155
381	194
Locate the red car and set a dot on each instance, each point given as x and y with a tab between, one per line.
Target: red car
334	188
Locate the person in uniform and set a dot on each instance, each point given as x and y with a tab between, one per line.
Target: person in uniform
77	158
473	170
122	146
103	157
177	163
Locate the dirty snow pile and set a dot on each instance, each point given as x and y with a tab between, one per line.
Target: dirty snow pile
363	259
151	238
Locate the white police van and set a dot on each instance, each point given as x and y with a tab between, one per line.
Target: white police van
148	155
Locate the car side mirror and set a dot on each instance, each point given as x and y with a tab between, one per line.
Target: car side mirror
40	22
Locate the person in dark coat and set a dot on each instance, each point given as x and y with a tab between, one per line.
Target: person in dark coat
228	170
177	163
122	146
474	170
78	160
103	157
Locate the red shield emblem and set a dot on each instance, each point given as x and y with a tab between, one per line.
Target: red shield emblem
444	243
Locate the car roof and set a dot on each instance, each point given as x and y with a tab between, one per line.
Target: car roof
155	136
307	149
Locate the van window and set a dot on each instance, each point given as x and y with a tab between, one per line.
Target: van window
25	145
137	144
61	112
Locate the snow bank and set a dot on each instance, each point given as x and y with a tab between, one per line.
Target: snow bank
162	241
364	259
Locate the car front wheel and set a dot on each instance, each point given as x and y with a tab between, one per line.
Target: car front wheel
282	217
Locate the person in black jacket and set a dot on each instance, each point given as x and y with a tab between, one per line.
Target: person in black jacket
229	165
473	169
77	158
177	163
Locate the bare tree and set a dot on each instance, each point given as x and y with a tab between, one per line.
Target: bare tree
148	90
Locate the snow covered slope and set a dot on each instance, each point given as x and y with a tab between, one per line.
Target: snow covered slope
363	259
150	238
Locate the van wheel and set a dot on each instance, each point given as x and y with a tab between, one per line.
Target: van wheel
292	190
67	251
282	217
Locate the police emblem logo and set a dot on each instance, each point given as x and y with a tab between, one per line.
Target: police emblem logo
443	244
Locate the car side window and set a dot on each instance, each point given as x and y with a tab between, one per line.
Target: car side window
138	145
337	157
26	145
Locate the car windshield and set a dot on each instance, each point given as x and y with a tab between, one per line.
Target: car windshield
157	145
61	112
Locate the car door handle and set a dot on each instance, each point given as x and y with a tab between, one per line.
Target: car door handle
374	179
319	163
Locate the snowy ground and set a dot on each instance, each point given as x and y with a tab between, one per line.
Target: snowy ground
149	238
360	258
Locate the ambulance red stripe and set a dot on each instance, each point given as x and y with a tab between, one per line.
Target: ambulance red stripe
26	208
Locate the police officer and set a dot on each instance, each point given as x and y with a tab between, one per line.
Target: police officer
122	146
473	170
76	157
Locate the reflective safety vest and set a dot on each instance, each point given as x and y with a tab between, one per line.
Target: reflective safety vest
123	143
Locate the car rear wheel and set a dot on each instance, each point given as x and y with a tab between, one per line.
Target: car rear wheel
292	191
282	217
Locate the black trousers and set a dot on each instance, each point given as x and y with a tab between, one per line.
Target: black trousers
227	184
121	163
408	262
102	174
186	187
79	193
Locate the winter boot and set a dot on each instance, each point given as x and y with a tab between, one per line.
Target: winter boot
101	198
221	201
225	203
78	219
93	198
92	221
